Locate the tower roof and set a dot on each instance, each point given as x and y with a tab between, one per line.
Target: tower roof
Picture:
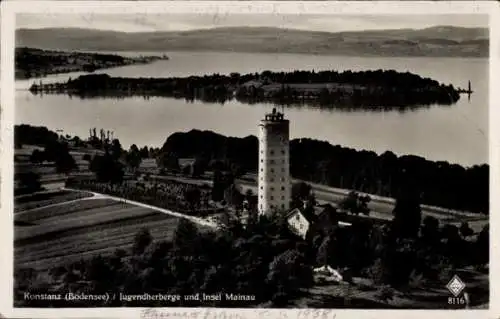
275	116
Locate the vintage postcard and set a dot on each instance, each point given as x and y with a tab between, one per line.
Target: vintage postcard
164	159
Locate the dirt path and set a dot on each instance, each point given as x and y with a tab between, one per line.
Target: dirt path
196	220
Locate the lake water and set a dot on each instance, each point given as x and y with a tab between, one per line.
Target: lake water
457	133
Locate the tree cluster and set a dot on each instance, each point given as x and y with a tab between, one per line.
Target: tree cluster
56	152
363	89
355	203
107	169
441	183
33	135
407	251
31	62
193	261
29	182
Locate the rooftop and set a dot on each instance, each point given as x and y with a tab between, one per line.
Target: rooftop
275	116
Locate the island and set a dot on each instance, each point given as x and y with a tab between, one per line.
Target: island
363	89
32	62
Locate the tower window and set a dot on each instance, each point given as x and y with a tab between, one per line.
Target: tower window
272	179
282	188
282	197
271	152
283	152
282	206
272	197
271	161
282	169
272	188
272	170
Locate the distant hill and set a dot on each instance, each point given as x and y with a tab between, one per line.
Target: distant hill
443	41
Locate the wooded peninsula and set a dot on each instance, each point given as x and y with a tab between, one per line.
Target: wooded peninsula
31	62
364	89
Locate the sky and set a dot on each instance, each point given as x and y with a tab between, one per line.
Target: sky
184	22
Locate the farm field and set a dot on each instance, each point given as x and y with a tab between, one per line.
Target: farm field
39	200
41	214
69	232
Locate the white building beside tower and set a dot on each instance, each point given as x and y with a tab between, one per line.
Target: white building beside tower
274	164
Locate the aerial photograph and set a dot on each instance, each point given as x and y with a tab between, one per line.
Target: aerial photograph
251	161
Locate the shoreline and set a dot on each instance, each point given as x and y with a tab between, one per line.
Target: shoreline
379	89
227	51
33	63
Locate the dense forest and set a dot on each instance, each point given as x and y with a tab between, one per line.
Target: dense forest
365	89
30	62
440	183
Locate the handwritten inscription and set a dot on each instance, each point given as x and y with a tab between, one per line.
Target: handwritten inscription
228	314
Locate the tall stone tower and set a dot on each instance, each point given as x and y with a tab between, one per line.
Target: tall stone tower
274	161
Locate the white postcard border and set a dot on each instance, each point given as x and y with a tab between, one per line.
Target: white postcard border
10	8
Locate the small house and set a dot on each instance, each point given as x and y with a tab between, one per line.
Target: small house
327	274
148	165
252	84
298	223
305	222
